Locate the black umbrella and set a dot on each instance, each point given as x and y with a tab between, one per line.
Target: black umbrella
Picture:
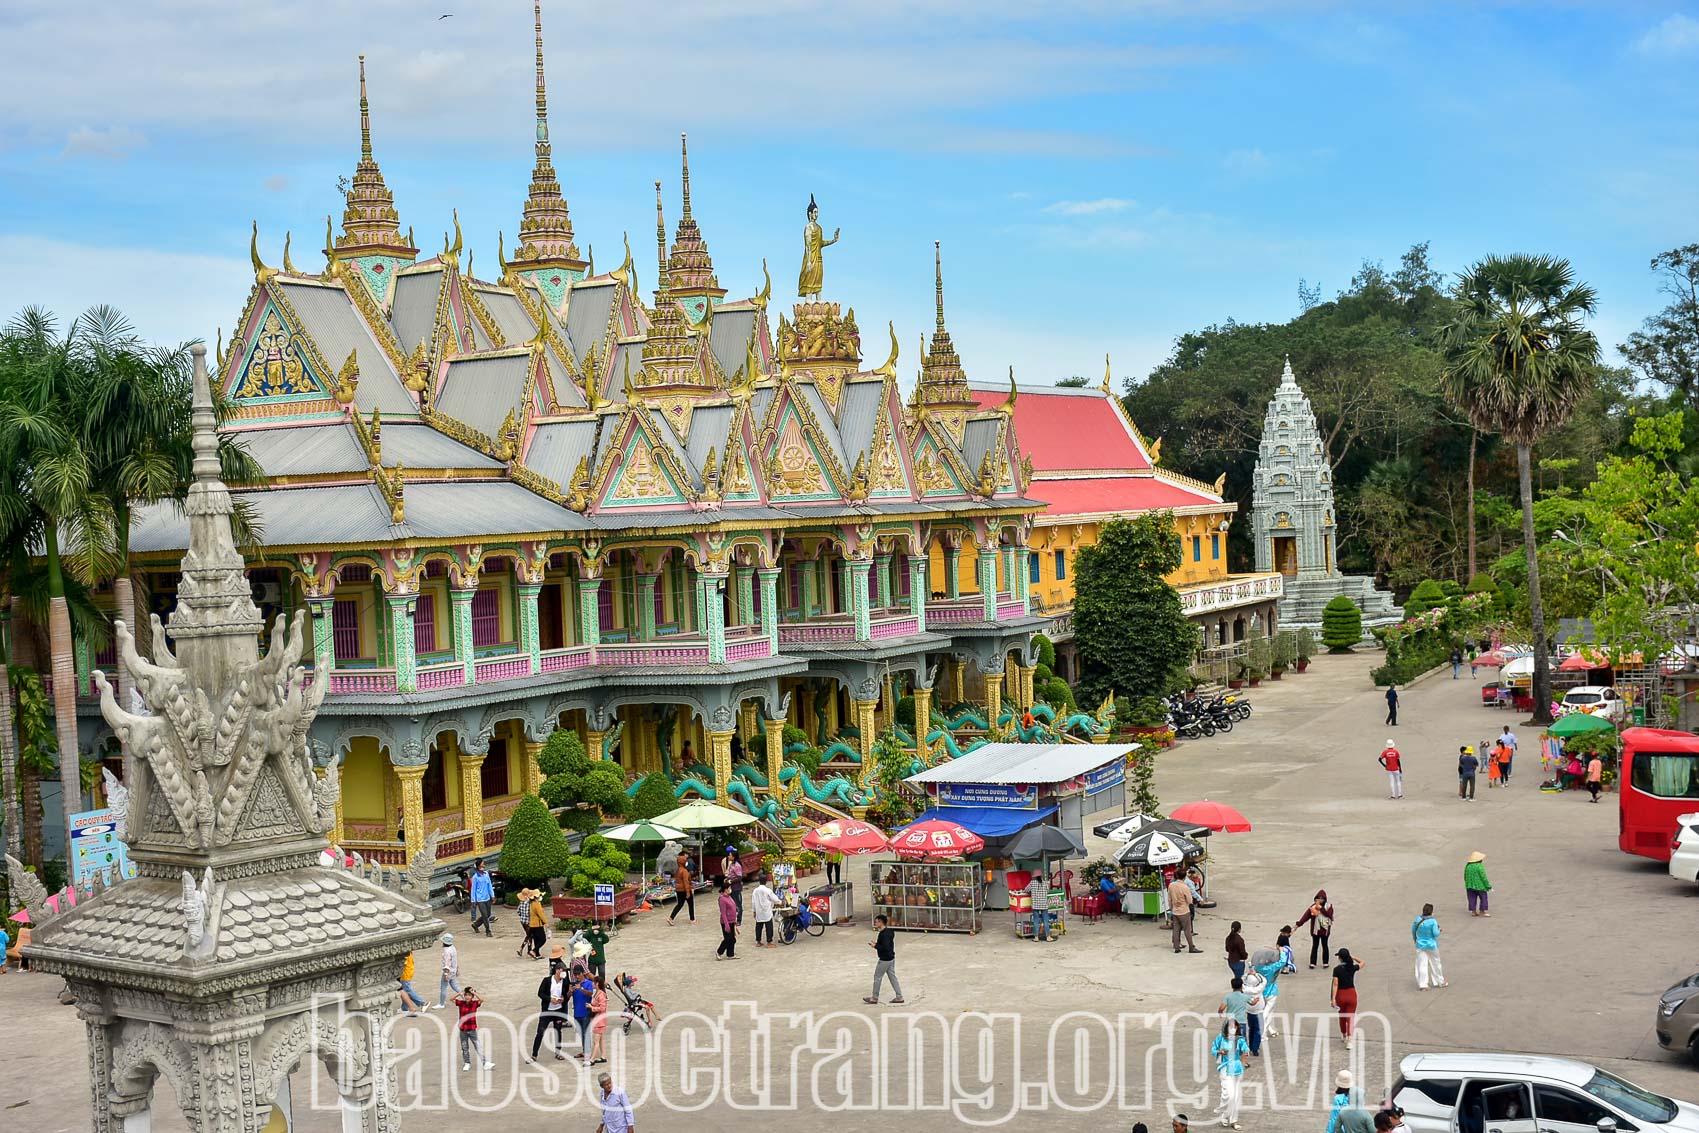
1124	828
1152	846
1044	841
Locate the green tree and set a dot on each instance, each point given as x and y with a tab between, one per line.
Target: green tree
37	758
597	862
1341	624
1518	359
533	848
1665	350
1425	597
654	796
1045	650
1132	635
595	787
1056	693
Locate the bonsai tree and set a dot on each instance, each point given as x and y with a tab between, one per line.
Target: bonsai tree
533	849
597	862
575	780
1147	712
654	796
1341	624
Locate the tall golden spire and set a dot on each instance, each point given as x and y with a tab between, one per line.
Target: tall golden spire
942	380
369	219
689	269
660	246
669	355
545	231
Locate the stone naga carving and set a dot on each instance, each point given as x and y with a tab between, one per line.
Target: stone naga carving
197	904
118	798
28	890
417	883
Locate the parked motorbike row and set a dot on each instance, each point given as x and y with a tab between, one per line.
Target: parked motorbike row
1195	716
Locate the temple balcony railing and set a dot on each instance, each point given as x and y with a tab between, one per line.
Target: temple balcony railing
839	629
456	842
942	612
1235	590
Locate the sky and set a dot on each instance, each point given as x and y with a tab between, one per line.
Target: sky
1103	176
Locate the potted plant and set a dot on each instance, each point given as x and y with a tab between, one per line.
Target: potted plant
533	848
1147	719
1241	671
1304	647
1285	652
807	862
1258	653
598	861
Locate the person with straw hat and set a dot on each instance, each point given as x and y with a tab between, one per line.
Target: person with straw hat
1475	881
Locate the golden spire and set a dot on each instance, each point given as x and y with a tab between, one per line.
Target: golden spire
942	379
545	232
684	160
1106	371
689	268
369	218
660	245
938	278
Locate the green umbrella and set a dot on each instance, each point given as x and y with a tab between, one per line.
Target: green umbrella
703	815
1579	724
644	832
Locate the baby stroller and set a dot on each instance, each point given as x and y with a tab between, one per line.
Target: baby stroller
636	1007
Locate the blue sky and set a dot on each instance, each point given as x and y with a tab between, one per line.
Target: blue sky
1103	176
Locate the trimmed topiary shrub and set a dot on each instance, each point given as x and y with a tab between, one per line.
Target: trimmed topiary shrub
533	849
905	712
573	778
1058	695
597	862
1046	650
1425	597
1341	624
654	796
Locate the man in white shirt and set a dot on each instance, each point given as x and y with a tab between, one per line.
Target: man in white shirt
552	994
616	1109
762	899
1508	739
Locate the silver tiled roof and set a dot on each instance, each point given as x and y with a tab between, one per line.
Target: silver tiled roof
729	339
331	322
481	392
557	446
420	446
977	439
305	449
493	507
413	309
828	423
516	326
587	314
858	413
708	428
1042	764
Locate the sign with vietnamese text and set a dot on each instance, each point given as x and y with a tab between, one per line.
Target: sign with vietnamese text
997	795
95	846
604	895
1104	777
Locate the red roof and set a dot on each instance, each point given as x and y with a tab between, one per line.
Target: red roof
1078	430
1099	495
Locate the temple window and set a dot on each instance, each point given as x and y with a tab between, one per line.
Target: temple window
551	633
605	605
435	784
486	617
1061	565
345	629
493	774
1215	546
793	586
1197	548
1032	569
425	624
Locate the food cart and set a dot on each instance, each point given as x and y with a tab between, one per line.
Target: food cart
929	896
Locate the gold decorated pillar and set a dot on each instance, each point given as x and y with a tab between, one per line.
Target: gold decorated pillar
775	752
412	776
864	710
595	744
749	721
888	700
533	773
720	756
922	719
958	679
1031	694
472	798
993	700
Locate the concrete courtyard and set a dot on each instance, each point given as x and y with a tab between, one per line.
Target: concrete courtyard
1001	1031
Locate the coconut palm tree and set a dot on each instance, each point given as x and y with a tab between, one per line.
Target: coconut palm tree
1518	359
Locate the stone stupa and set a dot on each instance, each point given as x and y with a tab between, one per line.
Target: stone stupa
234	956
1292	517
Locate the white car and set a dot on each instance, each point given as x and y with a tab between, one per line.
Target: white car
1597	700
1684	852
1526	1093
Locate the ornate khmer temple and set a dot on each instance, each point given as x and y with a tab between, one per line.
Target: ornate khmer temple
558	498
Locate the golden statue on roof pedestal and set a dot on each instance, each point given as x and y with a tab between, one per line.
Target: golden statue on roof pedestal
813	259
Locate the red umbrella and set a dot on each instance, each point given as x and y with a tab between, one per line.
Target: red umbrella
1492	659
847	836
1216	816
1581	662
936	838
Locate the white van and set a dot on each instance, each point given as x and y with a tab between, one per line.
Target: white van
1526	1093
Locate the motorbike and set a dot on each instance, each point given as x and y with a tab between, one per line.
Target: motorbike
1190	725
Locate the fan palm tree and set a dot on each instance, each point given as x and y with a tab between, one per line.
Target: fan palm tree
1518	359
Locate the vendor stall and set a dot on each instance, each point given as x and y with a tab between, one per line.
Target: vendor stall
929	896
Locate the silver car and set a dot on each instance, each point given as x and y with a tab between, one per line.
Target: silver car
1526	1093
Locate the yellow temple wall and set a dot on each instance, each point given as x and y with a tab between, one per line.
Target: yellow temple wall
1207	564
364	771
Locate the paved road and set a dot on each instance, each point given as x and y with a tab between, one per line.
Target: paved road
1581	941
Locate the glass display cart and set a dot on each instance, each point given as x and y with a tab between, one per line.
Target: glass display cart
930	896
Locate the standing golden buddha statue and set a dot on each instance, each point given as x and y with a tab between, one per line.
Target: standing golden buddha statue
813	244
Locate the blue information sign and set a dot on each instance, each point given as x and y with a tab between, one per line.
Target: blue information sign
604	895
95	846
1105	777
998	795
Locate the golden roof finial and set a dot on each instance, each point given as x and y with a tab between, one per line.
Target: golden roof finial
347	380
262	274
751	369
288	265
501	254
1007	409
542	90
766	287
398	488
684	151
1106	375
660	245
631	397
578	489
1156	450
590	267
623	272
938	278
889	369
365	116
218	351
452	255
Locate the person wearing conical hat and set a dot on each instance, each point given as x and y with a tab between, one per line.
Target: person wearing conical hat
1476	883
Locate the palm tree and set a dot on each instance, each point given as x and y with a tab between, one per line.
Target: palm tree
1518	359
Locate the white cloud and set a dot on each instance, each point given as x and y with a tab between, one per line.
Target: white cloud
113	144
1247	163
1677	35
1089	208
169	296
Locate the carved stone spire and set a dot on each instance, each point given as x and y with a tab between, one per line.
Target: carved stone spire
369	219
545	231
942	380
690	270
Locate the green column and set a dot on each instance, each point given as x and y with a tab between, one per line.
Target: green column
80	657
529	638
823	586
745	577
952	571
461	600
858	571
987	565
917	589
714	606
770	607
324	635
1008	555
883	591
401	608
646	605
589	618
